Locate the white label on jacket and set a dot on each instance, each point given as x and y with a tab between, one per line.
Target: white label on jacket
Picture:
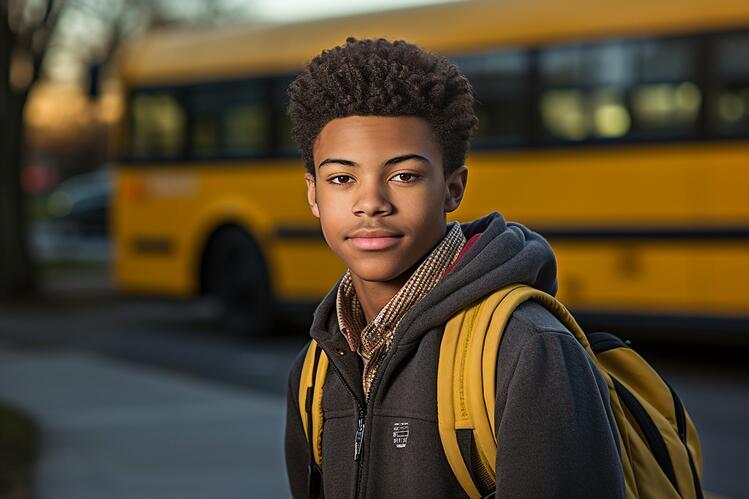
400	434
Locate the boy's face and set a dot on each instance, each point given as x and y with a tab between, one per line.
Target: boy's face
380	192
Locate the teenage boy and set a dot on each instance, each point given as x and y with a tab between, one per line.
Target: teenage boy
384	128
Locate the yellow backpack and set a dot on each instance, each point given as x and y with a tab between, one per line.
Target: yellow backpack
660	450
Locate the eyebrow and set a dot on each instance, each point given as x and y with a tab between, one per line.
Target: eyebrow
391	161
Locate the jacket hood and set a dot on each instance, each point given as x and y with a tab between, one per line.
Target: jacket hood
505	253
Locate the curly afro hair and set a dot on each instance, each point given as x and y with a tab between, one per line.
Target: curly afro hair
383	78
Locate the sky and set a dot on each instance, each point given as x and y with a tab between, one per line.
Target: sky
291	10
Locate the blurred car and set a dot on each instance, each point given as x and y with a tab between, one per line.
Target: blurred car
78	210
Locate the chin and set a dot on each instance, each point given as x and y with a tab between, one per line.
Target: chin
376	270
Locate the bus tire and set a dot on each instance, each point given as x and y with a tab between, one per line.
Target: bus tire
234	271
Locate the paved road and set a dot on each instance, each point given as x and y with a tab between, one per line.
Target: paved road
184	339
114	430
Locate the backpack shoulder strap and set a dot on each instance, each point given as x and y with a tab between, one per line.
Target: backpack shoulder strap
466	380
311	381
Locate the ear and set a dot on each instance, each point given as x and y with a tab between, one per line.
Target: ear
312	194
455	187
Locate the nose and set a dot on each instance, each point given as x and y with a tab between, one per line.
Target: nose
372	200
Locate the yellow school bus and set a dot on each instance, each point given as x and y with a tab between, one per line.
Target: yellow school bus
619	130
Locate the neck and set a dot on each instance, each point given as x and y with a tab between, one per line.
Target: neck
374	295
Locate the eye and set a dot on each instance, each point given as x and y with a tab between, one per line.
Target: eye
406	178
339	179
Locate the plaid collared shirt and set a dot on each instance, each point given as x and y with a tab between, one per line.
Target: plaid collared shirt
371	341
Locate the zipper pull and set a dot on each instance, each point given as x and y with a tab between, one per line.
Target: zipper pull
358	438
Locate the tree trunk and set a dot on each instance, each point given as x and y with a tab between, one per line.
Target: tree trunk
17	279
17	276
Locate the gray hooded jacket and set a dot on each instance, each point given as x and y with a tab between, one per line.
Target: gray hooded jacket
556	435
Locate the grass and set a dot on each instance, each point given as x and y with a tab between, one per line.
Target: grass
72	265
19	445
36	207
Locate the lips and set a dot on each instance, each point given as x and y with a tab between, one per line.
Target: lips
374	243
374	239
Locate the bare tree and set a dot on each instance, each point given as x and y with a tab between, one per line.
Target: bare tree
29	30
26	29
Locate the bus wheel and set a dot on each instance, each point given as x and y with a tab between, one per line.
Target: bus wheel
234	272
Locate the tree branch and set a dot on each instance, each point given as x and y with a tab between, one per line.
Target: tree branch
43	34
6	33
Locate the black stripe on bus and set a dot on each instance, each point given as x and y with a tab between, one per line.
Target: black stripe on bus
665	233
713	328
290	232
655	233
152	246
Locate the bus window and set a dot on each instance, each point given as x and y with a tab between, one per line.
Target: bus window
206	122
728	108
618	90
245	128
584	91
500	83
666	100
158	123
603	64
284	144
228	119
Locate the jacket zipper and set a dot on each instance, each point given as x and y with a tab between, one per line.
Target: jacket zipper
360	425
361	422
363	418
359	437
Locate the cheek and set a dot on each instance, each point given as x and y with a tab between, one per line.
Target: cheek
333	217
423	204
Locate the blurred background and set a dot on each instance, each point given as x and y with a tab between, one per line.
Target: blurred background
159	265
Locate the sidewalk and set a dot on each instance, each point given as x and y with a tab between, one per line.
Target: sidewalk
114	430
